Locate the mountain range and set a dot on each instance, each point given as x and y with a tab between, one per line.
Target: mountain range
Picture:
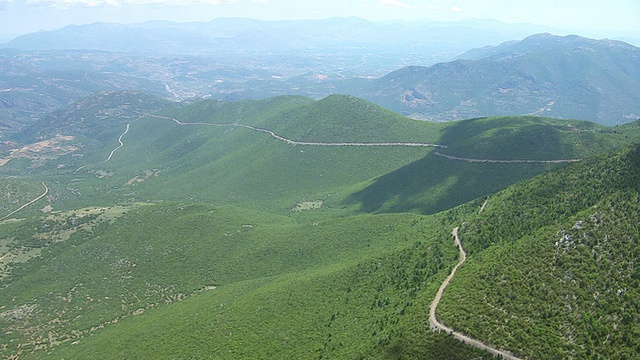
568	77
547	75
249	35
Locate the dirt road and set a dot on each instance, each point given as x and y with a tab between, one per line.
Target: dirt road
119	146
450	157
436	324
307	143
46	191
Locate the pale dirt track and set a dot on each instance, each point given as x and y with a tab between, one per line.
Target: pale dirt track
436	324
410	144
121	144
119	141
506	161
295	142
46	191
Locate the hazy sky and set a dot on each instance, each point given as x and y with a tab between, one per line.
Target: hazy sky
598	16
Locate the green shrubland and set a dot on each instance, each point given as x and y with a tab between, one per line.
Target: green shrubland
187	243
552	272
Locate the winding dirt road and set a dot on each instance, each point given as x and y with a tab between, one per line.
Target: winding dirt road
310	143
112	151
295	142
121	143
436	324
46	191
450	157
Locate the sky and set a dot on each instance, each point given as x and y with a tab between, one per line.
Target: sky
592	17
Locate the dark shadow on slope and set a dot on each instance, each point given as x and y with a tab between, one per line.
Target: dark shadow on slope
509	138
434	184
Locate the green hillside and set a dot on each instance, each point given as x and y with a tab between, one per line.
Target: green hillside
199	274
272	228
16	192
216	157
359	287
435	183
96	115
552	272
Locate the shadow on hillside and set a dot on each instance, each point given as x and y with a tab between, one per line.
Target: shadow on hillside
433	184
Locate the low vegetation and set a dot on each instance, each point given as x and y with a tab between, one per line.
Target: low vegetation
198	240
552	271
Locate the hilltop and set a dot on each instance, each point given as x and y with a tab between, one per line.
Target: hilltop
179	152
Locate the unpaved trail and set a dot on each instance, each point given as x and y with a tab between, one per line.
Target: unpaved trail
295	142
484	205
121	143
46	191
436	324
112	151
450	157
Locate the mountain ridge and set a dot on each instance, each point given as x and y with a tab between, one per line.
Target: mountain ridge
597	83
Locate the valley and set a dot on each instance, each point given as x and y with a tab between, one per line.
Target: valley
318	189
128	288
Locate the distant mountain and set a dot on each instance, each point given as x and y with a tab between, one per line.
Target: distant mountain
97	113
545	42
547	75
237	34
34	84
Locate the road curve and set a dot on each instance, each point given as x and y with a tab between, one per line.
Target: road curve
112	151
436	324
119	146
46	191
295	142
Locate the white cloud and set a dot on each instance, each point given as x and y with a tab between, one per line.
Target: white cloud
457	9
395	4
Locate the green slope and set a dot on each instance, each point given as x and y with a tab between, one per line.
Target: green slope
137	279
364	280
435	183
552	269
161	159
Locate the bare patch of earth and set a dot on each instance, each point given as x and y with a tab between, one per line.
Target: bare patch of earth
41	151
101	174
308	205
146	174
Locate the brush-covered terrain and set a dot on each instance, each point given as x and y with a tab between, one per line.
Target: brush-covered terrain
553	264
300	228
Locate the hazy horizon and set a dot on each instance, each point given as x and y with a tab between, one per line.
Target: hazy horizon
619	18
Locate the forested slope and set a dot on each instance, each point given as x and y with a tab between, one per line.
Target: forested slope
553	271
